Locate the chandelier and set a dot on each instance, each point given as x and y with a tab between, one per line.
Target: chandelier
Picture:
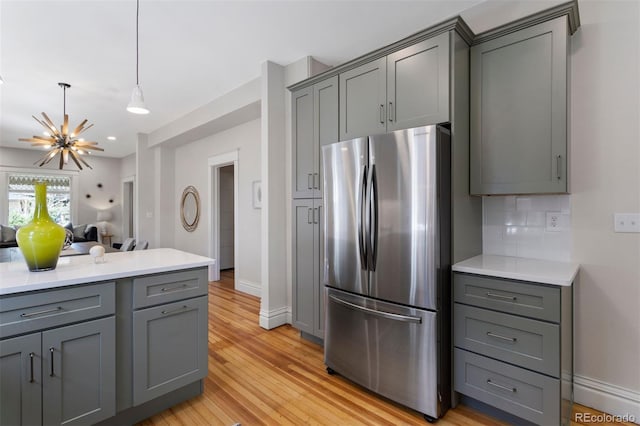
68	145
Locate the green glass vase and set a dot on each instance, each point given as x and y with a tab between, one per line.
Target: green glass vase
41	240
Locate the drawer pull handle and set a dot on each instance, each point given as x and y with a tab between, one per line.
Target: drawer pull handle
165	289
506	388
51	373
174	311
48	311
501	297
31	354
497	336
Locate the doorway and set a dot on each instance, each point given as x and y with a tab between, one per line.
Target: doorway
226	211
128	208
223	214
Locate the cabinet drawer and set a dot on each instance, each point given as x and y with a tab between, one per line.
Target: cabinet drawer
522	341
532	396
163	288
36	311
513	297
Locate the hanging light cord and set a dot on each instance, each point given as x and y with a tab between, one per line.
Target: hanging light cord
137	42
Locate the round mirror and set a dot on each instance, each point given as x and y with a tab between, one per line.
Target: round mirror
190	208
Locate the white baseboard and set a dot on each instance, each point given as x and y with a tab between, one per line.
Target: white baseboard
249	287
605	397
275	318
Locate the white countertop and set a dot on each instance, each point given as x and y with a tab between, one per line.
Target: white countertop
518	268
15	277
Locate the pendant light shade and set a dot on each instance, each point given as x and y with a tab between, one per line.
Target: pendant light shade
136	104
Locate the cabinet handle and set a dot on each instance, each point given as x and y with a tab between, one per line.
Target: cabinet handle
316	185
173	311
309	181
499	296
171	289
391	111
31	355
558	166
497	336
507	388
316	210
309	216
381	113
51	373
33	314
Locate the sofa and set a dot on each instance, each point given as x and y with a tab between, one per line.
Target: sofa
81	233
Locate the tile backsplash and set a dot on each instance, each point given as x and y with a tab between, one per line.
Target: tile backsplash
536	226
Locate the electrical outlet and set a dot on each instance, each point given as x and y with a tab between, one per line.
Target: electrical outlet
626	222
553	222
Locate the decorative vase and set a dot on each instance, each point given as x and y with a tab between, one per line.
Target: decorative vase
41	240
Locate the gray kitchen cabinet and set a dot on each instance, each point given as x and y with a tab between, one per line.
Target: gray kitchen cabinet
407	88
78	384
513	346
518	103
418	84
308	306
21	380
363	96
62	371
169	347
314	124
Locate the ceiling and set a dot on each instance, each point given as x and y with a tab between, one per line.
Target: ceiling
191	52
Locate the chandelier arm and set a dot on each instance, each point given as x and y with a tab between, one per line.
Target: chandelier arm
75	160
78	129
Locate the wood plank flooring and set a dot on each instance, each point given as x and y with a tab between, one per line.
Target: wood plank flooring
277	378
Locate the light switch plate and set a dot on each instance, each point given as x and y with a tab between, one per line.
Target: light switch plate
626	222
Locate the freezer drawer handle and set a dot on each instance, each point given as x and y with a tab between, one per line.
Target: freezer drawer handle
388	315
497	336
499	296
508	389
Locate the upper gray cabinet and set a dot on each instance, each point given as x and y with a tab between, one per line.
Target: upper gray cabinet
518	104
407	88
315	123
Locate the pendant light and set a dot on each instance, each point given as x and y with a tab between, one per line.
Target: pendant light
62	141
136	104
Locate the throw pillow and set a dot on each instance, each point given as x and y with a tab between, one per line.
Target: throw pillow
78	231
7	234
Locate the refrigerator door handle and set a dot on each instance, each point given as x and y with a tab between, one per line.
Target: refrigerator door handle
361	222
372	238
383	314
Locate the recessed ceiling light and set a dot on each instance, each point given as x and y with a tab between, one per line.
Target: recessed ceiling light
111	138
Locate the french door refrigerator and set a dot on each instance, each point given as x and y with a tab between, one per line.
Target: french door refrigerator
386	266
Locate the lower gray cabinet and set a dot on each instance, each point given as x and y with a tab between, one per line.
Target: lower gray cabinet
308	305
78	381
60	376
169	347
21	380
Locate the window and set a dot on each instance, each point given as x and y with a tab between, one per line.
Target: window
22	198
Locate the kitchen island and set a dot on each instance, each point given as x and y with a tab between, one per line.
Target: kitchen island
111	342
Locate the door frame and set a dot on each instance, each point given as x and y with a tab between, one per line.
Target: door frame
213	230
129	185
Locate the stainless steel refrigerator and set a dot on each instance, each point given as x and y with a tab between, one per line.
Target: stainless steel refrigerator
386	266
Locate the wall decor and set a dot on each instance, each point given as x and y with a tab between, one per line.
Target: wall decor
88	196
190	208
257	194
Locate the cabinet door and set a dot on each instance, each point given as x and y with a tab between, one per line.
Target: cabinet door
169	347
519	112
325	123
363	97
21	381
79	373
303	144
304	265
418	84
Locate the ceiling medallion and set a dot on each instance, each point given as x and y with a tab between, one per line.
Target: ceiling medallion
61	141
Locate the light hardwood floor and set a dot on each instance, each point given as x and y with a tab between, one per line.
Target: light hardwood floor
277	378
